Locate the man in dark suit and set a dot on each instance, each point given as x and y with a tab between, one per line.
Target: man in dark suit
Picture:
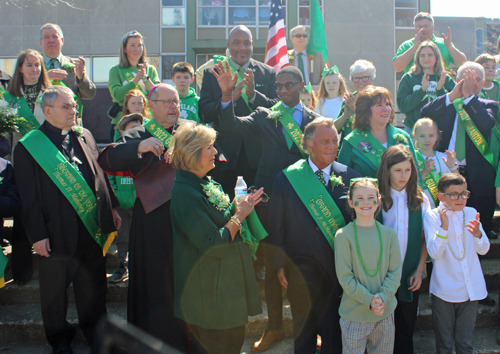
278	155
478	172
304	258
242	150
51	41
311	65
69	253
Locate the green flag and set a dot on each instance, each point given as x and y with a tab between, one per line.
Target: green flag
317	35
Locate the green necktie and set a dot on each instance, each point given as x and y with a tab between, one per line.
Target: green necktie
288	138
52	63
460	141
301	65
321	177
241	71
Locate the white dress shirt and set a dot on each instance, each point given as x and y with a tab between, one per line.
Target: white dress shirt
453	280
326	171
453	139
305	60
397	217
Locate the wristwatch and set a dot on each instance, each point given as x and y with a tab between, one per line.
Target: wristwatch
146	79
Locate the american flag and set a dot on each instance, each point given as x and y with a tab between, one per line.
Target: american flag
276	51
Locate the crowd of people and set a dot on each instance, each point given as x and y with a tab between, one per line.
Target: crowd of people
349	236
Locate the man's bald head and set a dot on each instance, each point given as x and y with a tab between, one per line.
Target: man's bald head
240	44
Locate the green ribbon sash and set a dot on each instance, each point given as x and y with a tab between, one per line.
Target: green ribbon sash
291	127
316	199
23	110
240	77
3	263
430	181
474	134
367	146
158	132
128	73
69	181
495	132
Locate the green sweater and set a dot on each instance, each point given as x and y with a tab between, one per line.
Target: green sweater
214	278
411	98
189	105
118	90
445	53
359	289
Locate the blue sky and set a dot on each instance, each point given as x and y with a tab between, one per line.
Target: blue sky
466	8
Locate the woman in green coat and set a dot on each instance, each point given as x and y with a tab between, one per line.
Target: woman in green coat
373	133
425	82
214	281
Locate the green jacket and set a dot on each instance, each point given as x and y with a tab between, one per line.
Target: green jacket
189	106
118	90
124	189
353	158
214	278
411	98
445	53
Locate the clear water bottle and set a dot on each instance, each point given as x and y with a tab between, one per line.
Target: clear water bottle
241	188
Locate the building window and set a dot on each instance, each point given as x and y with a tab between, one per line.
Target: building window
101	66
167	61
305	13
405	11
173	36
229	13
479	41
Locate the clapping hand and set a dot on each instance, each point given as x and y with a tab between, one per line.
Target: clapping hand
457	91
141	73
349	100
57	74
450	160
442	80
473	227
425	81
418	38
444	218
447	39
224	77
250	82
428	167
80	68
470	78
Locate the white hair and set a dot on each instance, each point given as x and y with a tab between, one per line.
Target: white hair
362	65
469	65
54	26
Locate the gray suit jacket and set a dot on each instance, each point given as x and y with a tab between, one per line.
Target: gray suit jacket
318	64
85	89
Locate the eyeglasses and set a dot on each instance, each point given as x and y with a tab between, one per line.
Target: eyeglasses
424	26
128	35
457	196
265	198
289	85
300	35
168	103
361	78
67	107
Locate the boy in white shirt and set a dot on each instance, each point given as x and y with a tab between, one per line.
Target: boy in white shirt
454	238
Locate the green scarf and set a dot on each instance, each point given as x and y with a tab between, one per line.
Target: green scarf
240	77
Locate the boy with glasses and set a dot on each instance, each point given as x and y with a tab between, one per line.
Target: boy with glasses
455	238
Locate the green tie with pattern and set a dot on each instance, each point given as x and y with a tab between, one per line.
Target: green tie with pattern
288	138
52	63
321	177
301	65
241	71
460	141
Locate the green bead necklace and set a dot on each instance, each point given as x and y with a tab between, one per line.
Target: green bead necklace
367	271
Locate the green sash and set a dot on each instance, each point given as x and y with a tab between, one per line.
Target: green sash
129	76
316	199
3	263
23	110
69	181
474	134
367	146
291	127
158	132
430	181
240	77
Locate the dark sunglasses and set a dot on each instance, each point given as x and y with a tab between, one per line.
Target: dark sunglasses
289	85
300	35
265	198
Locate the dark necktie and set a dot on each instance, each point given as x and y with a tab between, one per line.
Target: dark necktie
321	177
301	65
52	63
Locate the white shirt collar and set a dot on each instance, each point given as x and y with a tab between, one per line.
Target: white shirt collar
327	170
296	52
395	193
298	107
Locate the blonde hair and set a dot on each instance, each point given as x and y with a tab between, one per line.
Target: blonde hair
417	69
323	94
425	122
187	143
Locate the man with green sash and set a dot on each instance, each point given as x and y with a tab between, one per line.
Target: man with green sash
243	150
69	213
63	70
305	212
466	122
280	129
138	154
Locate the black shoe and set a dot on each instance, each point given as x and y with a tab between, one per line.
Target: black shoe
121	274
487	301
63	350
492	235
